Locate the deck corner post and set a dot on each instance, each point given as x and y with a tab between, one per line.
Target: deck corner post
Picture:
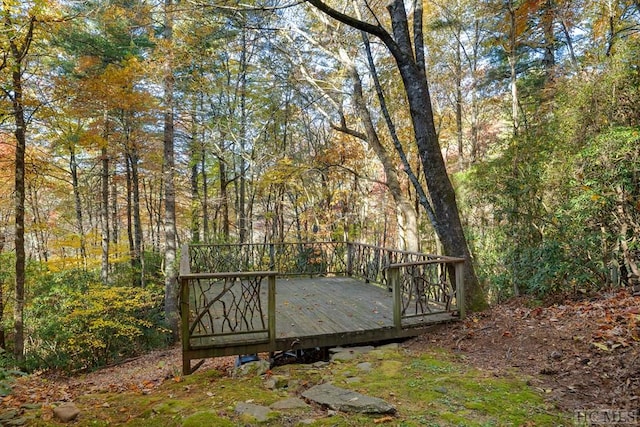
460	288
349	259
184	318
185	259
394	283
272	309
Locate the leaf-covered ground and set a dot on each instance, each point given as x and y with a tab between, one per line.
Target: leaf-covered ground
583	354
511	365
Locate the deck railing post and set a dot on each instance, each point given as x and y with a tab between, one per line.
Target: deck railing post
459	266
394	283
271	308
349	259
185	268
184	315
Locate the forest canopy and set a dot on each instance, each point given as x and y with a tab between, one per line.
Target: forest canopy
130	127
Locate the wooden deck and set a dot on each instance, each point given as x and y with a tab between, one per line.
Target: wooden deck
264	311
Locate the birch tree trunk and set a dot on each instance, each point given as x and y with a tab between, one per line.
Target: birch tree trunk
104	205
73	167
171	285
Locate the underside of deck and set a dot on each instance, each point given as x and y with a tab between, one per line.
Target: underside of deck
323	312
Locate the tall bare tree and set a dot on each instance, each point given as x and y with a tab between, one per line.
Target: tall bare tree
171	285
408	54
18	38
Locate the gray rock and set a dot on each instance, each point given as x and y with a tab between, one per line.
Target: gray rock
442	390
252	369
66	412
343	356
291	403
352	380
343	400
260	413
365	366
276	381
320	364
16	422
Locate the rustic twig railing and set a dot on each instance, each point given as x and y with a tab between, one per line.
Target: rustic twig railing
228	292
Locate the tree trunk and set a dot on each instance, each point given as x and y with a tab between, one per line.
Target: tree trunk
205	194
407	218
458	100
224	199
137	221
21	138
548	22
73	167
171	285
115	222
3	238
446	218
39	232
242	191
448	226
149	191
104	206
194	154
130	239
512	56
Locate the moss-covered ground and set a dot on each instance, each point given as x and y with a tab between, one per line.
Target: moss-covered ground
433	388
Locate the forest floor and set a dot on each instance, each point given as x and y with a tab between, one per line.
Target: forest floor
580	354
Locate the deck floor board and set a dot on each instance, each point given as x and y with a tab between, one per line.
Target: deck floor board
309	306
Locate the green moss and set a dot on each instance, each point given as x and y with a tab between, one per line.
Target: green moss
390	368
206	419
434	388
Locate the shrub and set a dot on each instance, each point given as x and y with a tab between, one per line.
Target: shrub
78	323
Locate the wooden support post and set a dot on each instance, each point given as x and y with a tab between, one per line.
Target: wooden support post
460	289
271	308
349	259
394	283
185	261
185	268
184	316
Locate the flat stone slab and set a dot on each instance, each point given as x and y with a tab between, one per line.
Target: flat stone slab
260	413
251	369
343	400
66	412
291	403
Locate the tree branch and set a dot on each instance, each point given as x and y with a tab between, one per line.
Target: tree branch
376	30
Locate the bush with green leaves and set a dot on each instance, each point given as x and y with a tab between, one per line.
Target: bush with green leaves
563	220
76	322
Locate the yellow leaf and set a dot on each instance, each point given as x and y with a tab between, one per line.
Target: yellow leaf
601	346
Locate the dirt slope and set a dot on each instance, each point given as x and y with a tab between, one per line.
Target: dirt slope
583	354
